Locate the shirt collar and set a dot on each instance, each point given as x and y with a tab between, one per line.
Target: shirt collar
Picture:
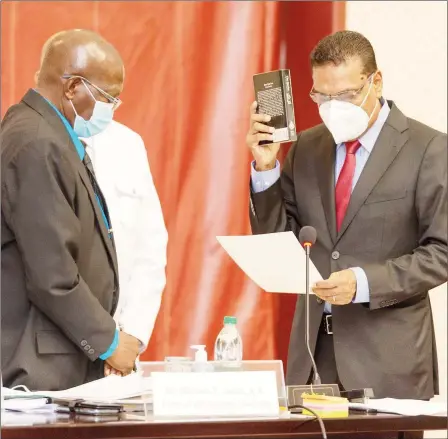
369	138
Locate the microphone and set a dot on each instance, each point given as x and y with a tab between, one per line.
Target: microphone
307	237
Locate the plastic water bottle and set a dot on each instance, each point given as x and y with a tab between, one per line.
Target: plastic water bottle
229	345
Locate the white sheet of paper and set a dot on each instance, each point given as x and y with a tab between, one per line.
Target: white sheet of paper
405	407
274	261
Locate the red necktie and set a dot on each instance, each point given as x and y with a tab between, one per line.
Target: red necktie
345	181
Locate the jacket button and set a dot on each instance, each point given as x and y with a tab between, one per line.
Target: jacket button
335	255
91	351
87	347
83	343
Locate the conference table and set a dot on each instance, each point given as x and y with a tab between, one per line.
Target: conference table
356	426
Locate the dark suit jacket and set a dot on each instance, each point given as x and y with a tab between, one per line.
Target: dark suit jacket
59	274
395	229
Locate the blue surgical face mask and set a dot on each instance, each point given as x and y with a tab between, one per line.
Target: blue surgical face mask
102	115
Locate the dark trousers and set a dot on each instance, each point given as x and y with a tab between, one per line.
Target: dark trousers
326	366
326	361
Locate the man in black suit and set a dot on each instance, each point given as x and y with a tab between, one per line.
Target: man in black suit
59	286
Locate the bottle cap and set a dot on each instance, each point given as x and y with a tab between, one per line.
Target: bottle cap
229	320
200	354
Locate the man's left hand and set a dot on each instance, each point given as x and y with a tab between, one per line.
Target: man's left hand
338	289
109	370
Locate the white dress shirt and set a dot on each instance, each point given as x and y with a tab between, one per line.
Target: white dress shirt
121	167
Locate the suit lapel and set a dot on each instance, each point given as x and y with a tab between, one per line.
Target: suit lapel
324	165
392	137
38	103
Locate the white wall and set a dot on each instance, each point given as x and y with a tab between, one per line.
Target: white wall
410	41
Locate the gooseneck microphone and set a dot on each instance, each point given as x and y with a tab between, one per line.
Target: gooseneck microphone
307	237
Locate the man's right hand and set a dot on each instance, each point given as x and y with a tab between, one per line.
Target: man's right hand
265	155
123	359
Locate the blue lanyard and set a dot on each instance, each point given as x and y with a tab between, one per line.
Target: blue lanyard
81	153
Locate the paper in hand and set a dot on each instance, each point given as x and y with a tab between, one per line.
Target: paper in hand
274	261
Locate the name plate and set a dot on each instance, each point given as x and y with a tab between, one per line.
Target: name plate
215	394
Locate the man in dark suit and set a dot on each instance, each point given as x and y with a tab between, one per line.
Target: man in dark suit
373	183
59	285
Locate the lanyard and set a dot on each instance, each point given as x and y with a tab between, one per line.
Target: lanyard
81	153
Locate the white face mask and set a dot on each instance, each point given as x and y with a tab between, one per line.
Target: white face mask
344	120
102	115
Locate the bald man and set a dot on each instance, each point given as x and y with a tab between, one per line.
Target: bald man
140	234
59	281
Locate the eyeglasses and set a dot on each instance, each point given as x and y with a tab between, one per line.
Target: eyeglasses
115	101
345	96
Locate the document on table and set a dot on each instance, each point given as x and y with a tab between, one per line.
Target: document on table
274	261
405	407
27	405
109	389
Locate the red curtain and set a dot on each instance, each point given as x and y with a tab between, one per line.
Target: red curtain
189	68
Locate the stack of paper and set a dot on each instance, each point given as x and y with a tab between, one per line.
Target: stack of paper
34	417
109	389
27	405
27	411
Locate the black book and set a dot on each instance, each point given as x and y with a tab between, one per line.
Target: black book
273	93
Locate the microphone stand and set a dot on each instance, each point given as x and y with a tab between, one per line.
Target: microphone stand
327	389
316	378
307	237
